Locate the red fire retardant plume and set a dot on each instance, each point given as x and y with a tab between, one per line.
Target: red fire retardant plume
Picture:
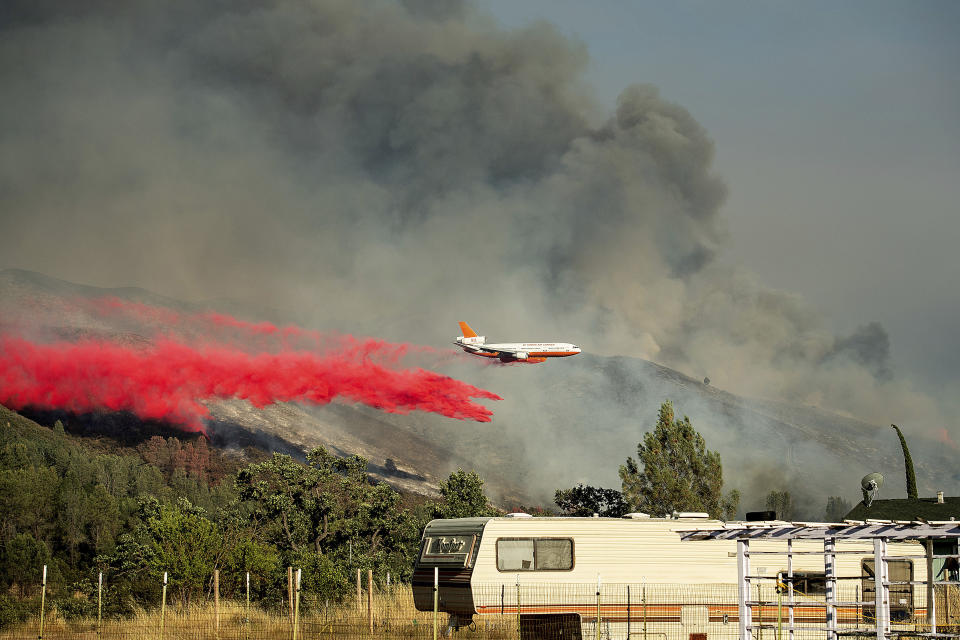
169	380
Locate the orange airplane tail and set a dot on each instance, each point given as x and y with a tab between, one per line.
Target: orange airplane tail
467	331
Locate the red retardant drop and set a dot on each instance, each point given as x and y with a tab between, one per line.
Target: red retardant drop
169	380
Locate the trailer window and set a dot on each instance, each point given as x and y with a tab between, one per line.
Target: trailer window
515	555
810	583
534	554
554	554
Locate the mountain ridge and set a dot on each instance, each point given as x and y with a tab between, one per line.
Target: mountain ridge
559	424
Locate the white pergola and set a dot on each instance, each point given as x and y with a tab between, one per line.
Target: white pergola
879	531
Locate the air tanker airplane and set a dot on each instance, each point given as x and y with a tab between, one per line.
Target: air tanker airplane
532	352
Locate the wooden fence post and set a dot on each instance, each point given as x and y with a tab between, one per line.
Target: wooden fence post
290	591
296	606
598	607
216	601
370	599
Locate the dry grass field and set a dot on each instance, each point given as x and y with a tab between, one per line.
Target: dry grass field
391	615
394	616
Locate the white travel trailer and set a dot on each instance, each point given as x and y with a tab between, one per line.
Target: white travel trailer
561	575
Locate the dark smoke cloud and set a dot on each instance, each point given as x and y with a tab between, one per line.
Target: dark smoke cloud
329	135
389	168
868	346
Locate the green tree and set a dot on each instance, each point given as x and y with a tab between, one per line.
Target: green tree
73	514
301	505
246	554
675	471
907	465
328	510
463	496
837	509
781	503
21	562
182	541
28	499
104	526
586	500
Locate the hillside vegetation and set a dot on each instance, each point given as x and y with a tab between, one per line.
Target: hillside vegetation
590	409
181	507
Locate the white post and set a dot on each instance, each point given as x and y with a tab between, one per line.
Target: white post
743	576
43	599
931	596
99	603
882	588
436	599
790	587
163	604
519	629
830	575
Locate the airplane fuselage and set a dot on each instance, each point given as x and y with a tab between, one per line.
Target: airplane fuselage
532	349
532	352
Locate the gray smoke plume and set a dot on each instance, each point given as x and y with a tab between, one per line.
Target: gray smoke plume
389	168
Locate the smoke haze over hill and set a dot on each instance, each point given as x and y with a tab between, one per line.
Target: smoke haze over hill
559	425
388	168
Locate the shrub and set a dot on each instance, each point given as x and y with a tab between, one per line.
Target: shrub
14	611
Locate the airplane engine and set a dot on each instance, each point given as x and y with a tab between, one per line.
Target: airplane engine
522	355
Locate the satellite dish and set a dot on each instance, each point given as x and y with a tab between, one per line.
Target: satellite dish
870	485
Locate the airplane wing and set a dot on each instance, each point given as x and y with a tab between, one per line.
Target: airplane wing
494	348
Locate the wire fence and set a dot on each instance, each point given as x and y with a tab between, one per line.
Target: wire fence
389	613
518	612
698	612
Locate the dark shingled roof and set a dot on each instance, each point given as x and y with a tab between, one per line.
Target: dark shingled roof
907	509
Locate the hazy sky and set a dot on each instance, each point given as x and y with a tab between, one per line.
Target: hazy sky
745	192
837	130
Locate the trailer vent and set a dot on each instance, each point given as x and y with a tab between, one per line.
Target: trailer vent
636	515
